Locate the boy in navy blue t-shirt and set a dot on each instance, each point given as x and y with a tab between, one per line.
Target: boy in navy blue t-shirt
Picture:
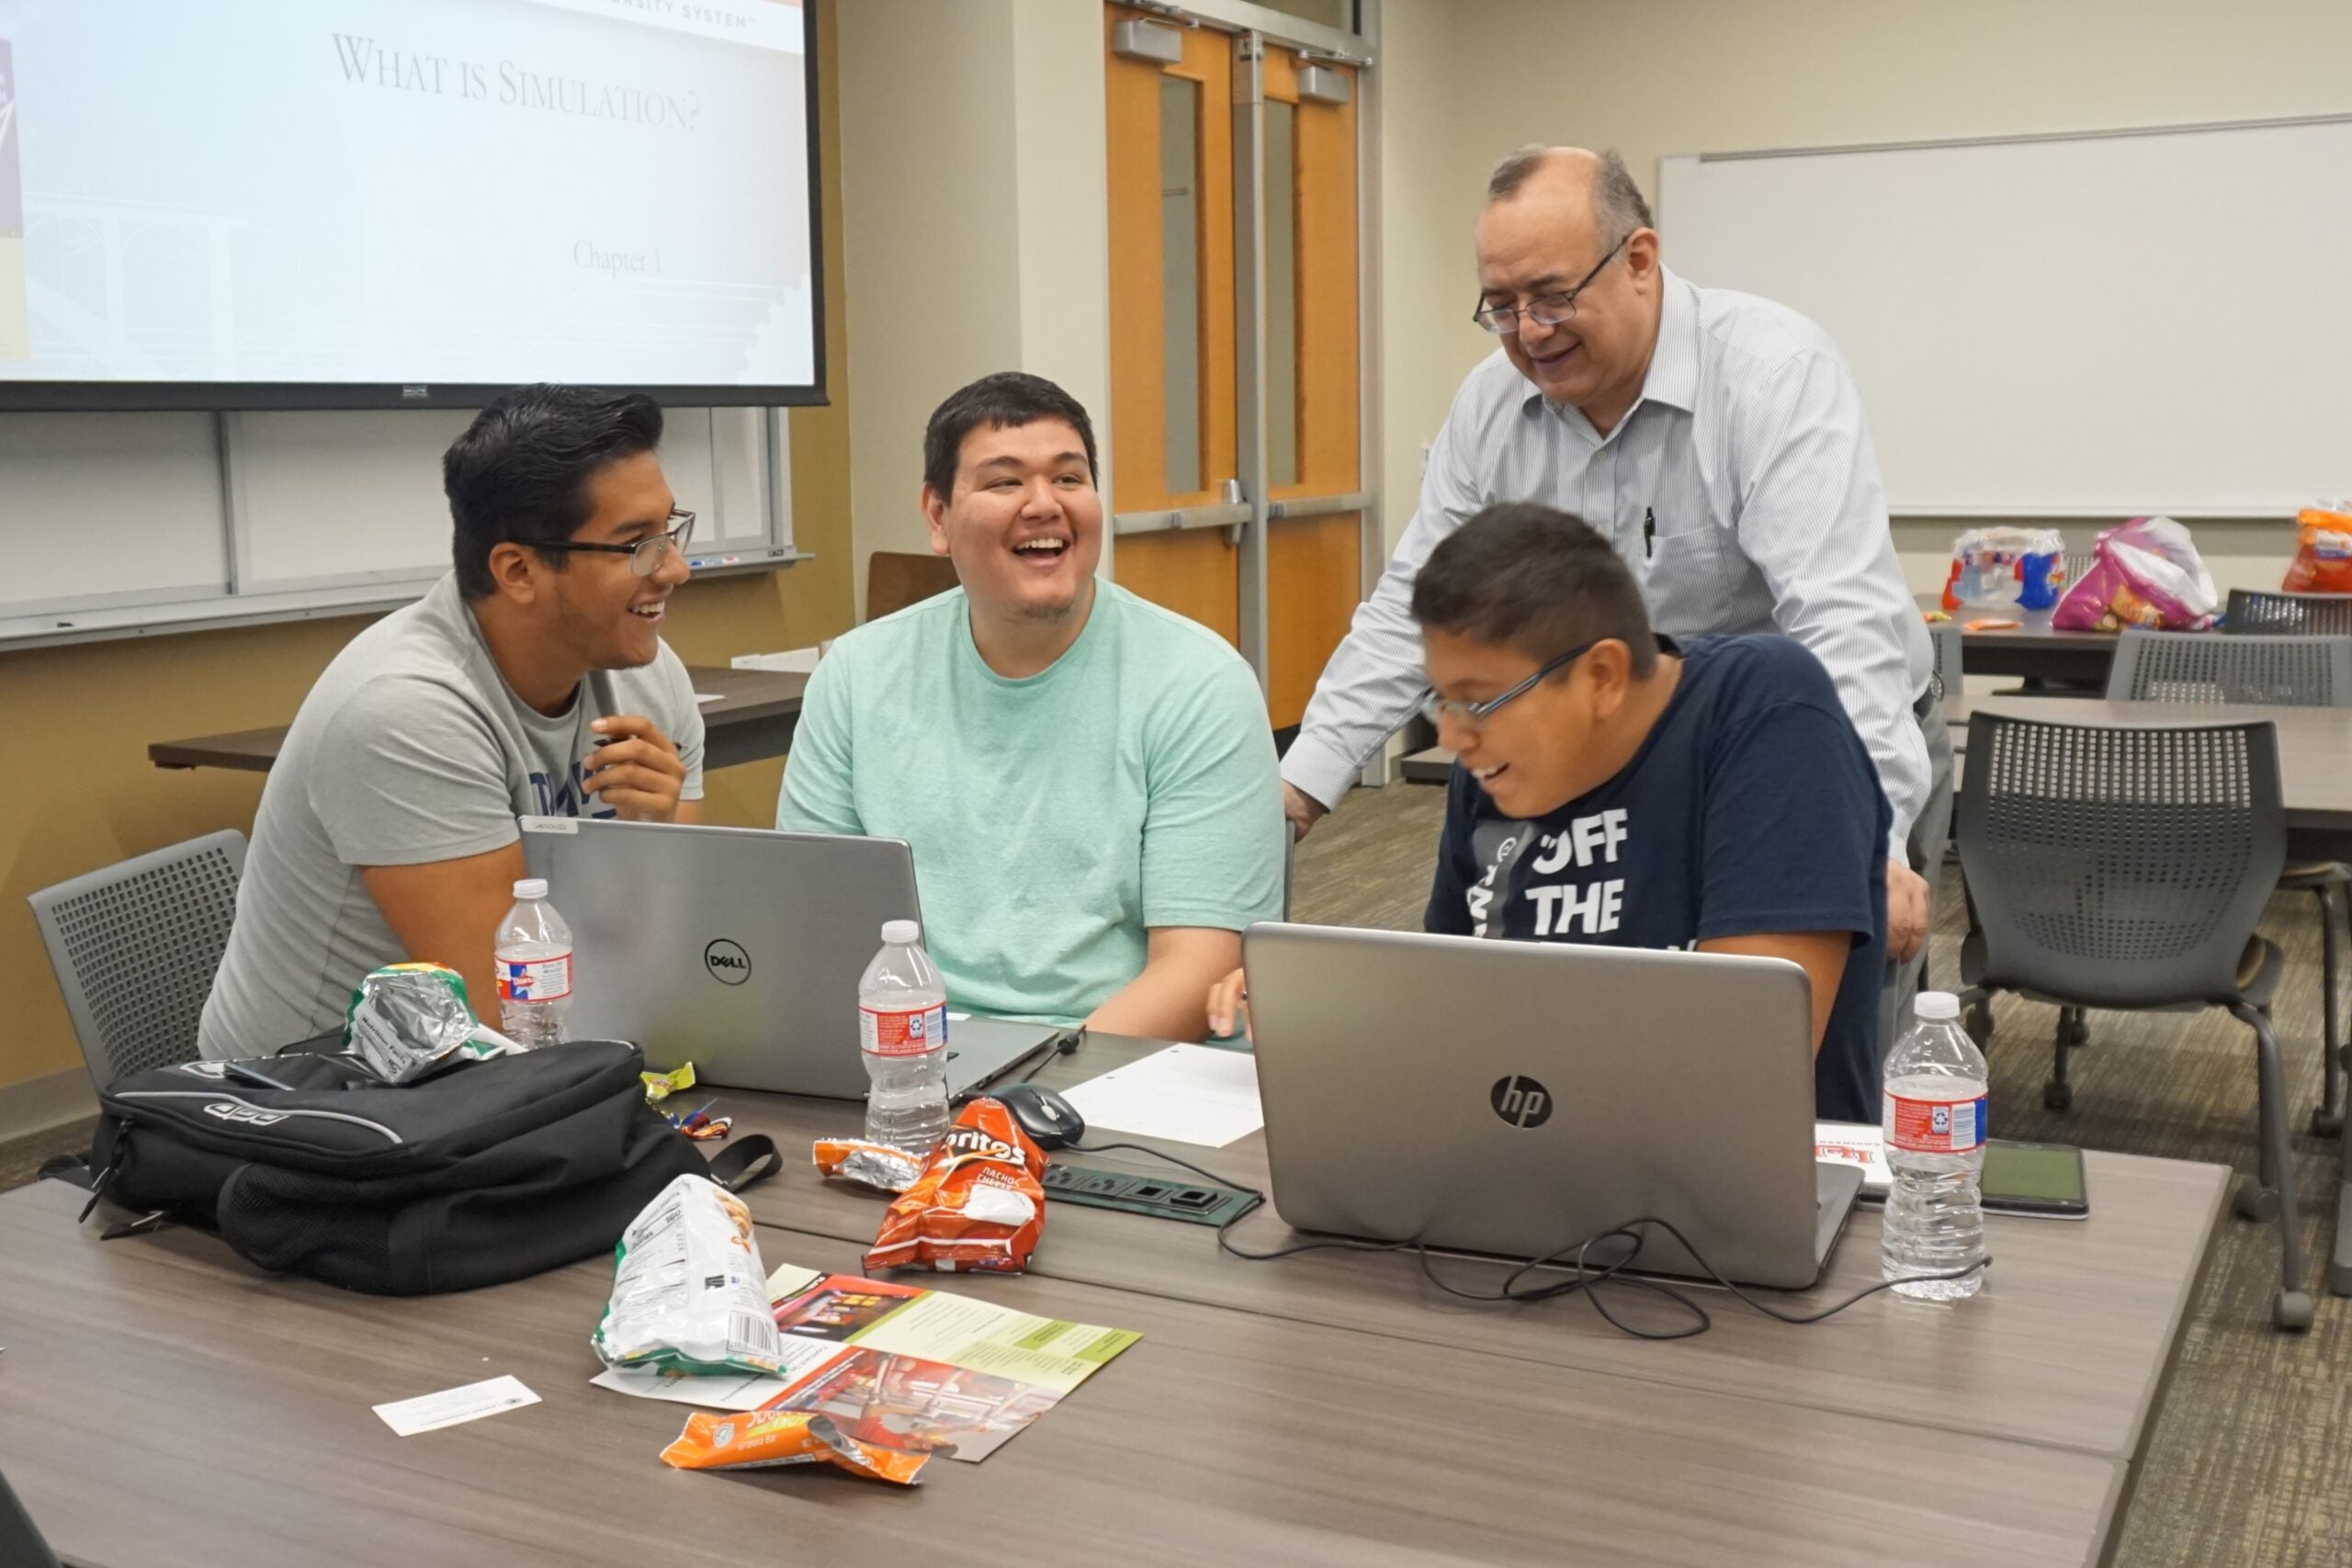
1615	787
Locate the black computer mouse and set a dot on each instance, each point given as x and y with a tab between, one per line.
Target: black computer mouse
1051	1121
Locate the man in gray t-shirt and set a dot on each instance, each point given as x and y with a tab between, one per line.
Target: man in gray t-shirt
531	680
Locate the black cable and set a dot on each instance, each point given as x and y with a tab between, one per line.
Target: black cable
1587	1278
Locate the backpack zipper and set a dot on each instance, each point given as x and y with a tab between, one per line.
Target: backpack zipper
390	1135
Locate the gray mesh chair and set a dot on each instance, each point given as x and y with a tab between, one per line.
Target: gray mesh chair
2283	672
135	947
2125	868
2252	611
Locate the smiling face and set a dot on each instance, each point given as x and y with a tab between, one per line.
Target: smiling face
597	609
1024	523
1546	746
1540	241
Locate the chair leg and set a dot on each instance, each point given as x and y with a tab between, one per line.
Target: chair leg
2058	1094
2292	1307
2327	1121
2074	1026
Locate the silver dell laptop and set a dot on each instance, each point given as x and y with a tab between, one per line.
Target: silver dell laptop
1515	1097
740	950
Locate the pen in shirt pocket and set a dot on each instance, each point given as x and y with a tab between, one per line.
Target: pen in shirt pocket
1649	532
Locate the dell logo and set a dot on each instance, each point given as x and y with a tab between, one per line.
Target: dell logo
728	962
1522	1102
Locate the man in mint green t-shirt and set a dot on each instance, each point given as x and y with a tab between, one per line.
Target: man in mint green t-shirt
1088	780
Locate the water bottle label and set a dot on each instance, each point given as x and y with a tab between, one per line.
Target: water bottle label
914	1034
1935	1126
535	979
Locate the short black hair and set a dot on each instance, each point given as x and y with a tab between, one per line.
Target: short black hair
1536	579
520	471
1007	400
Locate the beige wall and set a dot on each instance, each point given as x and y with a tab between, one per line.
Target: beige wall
82	716
1653	79
972	146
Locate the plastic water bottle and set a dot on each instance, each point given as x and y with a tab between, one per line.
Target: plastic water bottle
533	955
1934	1117
902	1030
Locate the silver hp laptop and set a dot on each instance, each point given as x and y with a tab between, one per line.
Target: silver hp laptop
1513	1098
740	950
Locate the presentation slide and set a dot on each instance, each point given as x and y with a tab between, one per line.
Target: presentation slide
405	192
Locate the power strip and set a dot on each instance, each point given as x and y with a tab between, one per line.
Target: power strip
1196	1203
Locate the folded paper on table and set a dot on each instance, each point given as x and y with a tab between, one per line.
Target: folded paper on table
1187	1094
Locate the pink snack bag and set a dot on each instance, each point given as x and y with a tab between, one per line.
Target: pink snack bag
2145	573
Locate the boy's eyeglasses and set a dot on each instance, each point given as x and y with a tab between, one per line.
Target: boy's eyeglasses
1437	709
646	555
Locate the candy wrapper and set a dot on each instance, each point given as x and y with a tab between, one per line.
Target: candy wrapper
2323	562
979	1206
766	1438
688	1293
2146	573
409	1021
883	1165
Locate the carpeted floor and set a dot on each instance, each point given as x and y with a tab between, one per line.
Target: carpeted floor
2250	1463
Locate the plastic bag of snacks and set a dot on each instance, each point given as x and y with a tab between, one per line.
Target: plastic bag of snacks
408	1020
2007	566
688	1293
2323	562
883	1165
2146	573
760	1438
979	1206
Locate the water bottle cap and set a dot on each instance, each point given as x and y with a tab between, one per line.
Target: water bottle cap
1937	1004
901	932
531	888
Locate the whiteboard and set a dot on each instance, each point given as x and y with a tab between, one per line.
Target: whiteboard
117	522
2073	326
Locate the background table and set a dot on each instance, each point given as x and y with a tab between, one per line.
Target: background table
2034	650
753	717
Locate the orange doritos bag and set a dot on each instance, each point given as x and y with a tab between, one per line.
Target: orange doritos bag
765	1437
978	1205
2323	562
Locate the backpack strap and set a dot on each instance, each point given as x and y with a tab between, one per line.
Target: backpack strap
747	1162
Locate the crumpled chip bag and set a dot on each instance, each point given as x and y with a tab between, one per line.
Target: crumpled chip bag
979	1206
882	1166
2323	562
760	1438
408	1020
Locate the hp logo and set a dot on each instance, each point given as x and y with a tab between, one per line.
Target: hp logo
1522	1102
728	962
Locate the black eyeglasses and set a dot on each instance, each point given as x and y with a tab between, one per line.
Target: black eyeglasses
1547	311
646	555
1436	708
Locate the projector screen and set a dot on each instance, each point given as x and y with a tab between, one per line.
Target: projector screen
254	204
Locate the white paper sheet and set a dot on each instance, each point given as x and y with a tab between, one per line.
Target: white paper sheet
701	697
428	1412
1856	1143
722	1392
1188	1094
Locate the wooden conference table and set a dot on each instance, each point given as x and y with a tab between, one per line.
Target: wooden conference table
753	719
169	1405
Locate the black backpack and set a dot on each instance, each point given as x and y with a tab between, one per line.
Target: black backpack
487	1171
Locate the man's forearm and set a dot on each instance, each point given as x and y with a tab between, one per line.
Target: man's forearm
1170	999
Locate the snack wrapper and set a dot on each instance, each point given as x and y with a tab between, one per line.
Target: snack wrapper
660	1087
882	1166
2146	573
765	1437
408	1020
2323	562
979	1206
2007	566
688	1293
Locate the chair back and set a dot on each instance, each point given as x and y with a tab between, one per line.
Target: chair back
21	1545
2288	615
1945	635
2119	867
2197	667
135	947
895	579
